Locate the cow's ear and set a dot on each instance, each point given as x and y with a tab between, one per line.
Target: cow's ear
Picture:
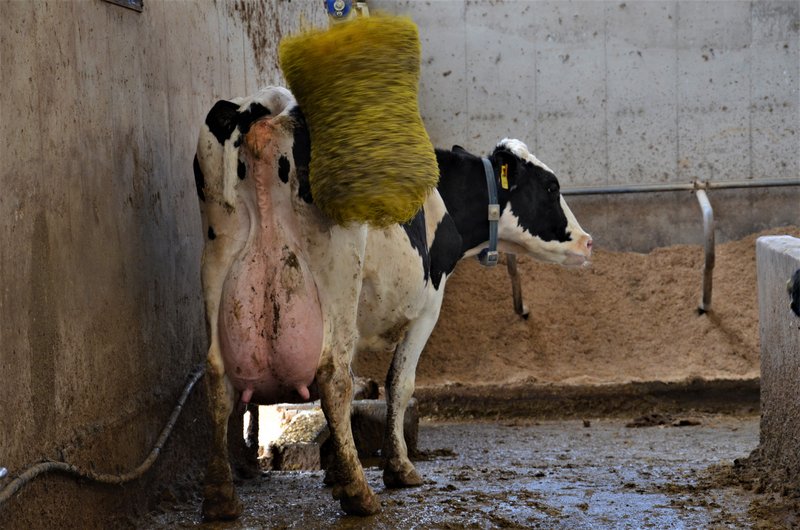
507	168
222	119
458	149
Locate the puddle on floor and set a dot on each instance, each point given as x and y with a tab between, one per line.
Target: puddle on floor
520	474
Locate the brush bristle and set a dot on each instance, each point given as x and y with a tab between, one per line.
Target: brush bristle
357	83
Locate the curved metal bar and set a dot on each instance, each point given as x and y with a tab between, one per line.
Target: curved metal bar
708	236
700	188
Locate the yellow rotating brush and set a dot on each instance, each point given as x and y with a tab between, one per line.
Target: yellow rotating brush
357	82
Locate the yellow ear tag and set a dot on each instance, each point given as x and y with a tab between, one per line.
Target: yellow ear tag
504	176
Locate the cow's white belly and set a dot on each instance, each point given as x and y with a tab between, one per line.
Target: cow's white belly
394	292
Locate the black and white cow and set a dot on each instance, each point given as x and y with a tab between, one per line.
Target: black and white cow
291	297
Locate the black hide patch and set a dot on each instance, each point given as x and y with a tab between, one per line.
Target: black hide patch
241	170
445	250
211	234
283	169
199	179
301	152
794	293
417	236
536	203
222	119
251	114
462	185
535	197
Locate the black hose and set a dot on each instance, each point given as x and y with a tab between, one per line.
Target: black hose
105	478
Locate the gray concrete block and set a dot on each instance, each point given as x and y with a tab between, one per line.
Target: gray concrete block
303	444
298	445
778	257
369	421
296	457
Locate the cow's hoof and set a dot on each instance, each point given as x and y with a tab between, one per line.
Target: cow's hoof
222	511
407	478
220	503
365	503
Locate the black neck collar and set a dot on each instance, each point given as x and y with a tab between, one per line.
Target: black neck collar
488	255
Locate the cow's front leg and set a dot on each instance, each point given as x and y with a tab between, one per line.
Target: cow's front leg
336	393
398	471
220	501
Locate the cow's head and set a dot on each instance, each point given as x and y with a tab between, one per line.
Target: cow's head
535	219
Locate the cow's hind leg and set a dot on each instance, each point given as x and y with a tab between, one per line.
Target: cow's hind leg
338	263
220	501
398	471
336	393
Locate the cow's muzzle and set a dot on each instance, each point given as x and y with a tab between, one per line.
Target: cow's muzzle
583	251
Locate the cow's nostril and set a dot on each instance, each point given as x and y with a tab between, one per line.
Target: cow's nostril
589	245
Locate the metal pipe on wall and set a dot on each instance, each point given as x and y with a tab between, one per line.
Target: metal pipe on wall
516	287
687	186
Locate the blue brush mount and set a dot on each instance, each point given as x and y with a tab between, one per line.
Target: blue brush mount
339	9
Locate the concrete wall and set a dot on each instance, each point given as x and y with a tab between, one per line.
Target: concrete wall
777	259
625	92
101	313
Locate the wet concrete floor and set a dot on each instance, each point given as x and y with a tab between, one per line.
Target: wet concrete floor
524	474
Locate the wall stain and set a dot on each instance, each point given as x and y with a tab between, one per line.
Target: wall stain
43	335
262	23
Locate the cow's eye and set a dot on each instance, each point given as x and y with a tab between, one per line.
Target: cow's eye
552	188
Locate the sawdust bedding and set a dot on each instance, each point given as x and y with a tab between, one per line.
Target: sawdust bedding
629	317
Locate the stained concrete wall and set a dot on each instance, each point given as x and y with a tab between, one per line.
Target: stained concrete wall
101	315
625	92
777	259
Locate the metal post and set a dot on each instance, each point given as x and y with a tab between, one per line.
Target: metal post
708	233
516	287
